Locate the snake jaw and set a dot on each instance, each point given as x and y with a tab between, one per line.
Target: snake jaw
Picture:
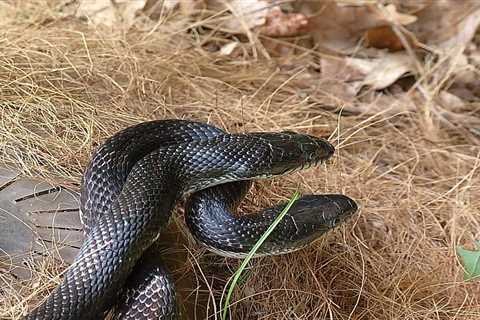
290	151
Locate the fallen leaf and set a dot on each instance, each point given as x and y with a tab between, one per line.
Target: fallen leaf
382	72
261	15
395	17
441	25
227	49
337	68
376	73
446	24
333	93
454	112
450	101
340	28
100	11
279	24
387	104
383	38
247	14
110	13
168	5
188	7
156	9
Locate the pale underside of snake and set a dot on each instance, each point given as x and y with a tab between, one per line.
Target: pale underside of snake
129	190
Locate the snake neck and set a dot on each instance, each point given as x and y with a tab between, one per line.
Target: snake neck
114	160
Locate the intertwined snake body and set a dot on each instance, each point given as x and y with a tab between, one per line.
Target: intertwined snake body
128	193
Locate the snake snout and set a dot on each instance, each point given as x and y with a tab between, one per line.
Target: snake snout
292	151
339	207
319	150
323	212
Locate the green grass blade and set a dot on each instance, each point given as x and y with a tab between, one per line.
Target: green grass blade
252	252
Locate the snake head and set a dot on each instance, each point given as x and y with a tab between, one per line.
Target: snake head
322	212
291	151
309	218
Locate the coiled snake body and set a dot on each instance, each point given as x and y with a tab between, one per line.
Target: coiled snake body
131	186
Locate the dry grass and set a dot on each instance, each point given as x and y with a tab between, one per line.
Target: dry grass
417	183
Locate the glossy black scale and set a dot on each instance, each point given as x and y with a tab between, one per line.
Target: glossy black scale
130	187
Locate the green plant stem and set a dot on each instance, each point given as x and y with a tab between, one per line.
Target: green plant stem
252	252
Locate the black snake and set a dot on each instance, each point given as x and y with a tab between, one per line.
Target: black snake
131	186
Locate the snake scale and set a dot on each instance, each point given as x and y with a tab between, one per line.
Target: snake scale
129	190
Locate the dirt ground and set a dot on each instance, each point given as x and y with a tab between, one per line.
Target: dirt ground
69	86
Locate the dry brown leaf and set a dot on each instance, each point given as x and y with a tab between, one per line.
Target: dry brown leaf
340	27
383	37
376	73
263	15
446	24
101	11
188	7
450	101
227	49
441	25
390	104
334	93
110	13
386	70
337	68
395	17
465	92
168	4
247	14
453	112
158	8
279	24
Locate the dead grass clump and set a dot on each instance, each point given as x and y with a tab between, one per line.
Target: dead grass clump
66	87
